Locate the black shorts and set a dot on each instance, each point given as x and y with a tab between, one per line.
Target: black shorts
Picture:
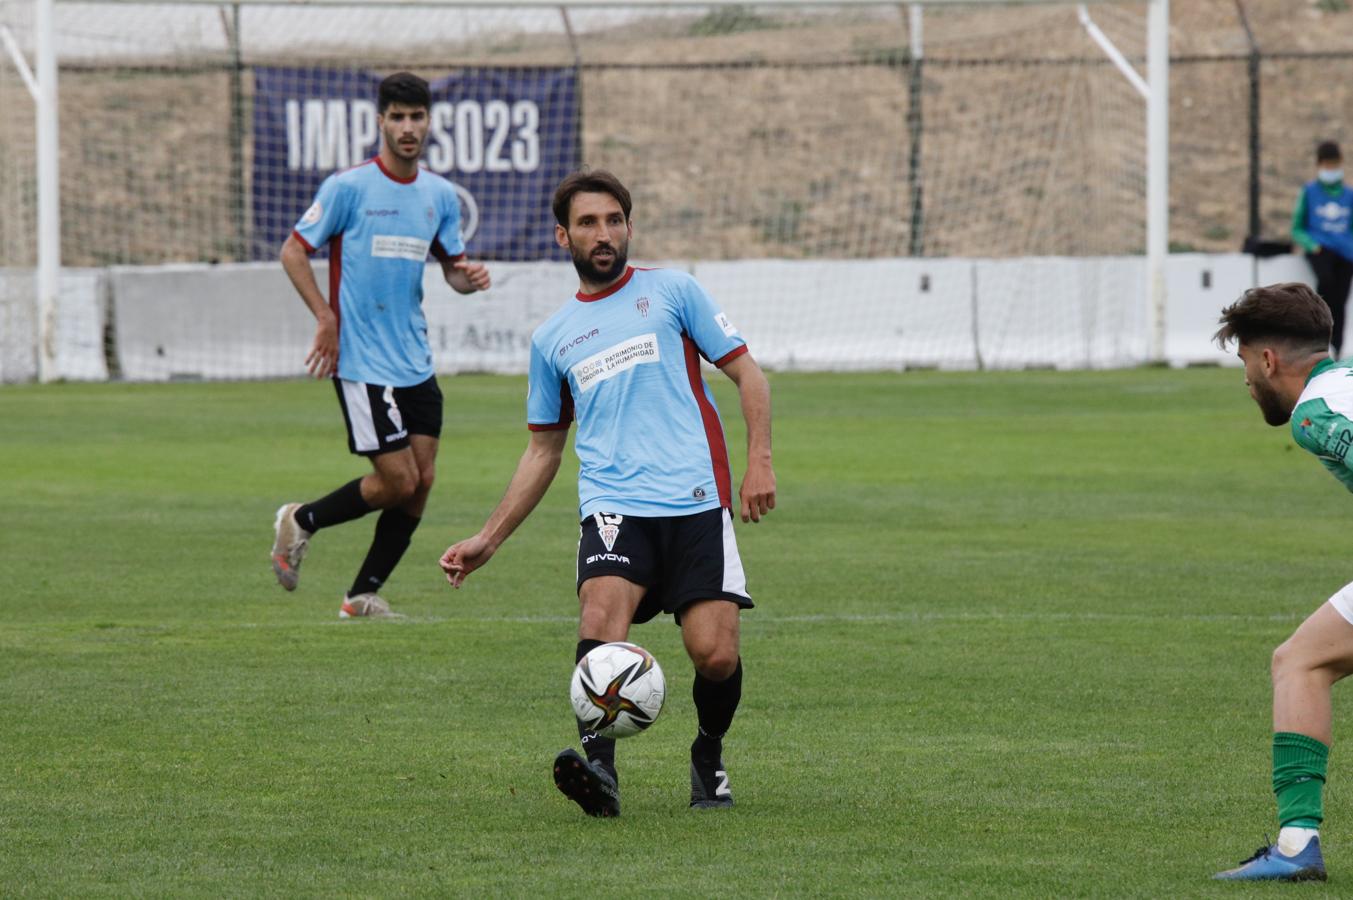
680	559
380	418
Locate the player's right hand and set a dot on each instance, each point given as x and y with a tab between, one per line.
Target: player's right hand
462	558
322	360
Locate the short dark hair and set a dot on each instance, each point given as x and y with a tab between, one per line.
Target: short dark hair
1288	313
1328	151
405	88
588	181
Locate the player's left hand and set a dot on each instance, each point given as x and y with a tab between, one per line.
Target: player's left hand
758	492
322	360
460	559
476	274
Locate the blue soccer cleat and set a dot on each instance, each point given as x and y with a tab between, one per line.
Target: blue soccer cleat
1268	864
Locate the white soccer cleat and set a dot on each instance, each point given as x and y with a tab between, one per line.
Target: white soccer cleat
368	605
290	541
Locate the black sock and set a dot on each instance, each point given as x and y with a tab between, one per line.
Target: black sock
600	750
343	505
394	530
715	703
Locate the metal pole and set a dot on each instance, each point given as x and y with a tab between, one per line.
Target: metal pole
1115	55
1157	173
237	201
1253	69
577	85
915	185
46	149
1255	225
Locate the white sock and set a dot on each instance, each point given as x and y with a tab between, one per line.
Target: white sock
1292	840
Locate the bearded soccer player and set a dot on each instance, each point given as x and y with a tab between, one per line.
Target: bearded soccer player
654	484
380	220
1283	333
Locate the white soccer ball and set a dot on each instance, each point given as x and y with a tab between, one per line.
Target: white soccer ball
618	689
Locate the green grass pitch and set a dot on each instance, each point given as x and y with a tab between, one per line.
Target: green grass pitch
1012	640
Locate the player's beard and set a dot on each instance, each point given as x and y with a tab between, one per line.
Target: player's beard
405	153
1276	410
589	272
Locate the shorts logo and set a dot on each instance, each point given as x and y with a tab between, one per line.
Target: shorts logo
642	306
392	410
313	213
608	527
698	493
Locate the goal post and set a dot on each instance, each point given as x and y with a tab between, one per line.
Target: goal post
47	130
877	207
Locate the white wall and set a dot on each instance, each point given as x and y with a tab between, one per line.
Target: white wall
209	321
78	326
245	321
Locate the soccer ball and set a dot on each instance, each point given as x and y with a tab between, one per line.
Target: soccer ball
617	690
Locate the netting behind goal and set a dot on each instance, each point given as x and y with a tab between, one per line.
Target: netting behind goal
850	206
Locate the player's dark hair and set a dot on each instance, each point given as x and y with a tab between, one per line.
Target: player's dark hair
588	181
404	88
1328	151
1289	313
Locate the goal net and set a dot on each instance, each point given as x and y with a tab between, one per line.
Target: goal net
852	202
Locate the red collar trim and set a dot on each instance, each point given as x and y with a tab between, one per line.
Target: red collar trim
601	295
392	176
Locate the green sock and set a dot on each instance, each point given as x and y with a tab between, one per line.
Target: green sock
1298	778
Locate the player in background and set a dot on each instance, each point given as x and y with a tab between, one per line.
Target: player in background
654	484
1283	333
380	220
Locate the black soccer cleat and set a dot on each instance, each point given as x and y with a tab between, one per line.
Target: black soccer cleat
709	784
587	784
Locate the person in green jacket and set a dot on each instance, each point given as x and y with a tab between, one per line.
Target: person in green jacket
1321	228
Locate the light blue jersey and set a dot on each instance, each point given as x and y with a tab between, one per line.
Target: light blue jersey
380	229
626	364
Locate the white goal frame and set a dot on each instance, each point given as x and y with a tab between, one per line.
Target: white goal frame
1155	89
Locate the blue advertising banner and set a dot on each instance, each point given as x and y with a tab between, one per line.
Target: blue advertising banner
503	137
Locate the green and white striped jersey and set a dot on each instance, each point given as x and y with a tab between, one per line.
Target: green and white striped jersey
1323	419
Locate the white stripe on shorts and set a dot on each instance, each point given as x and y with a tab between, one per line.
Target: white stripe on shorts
734	578
359	414
1342	601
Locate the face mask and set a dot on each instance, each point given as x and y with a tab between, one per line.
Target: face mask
1330	176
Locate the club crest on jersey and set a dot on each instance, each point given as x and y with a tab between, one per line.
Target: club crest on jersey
642	305
432	216
608	527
